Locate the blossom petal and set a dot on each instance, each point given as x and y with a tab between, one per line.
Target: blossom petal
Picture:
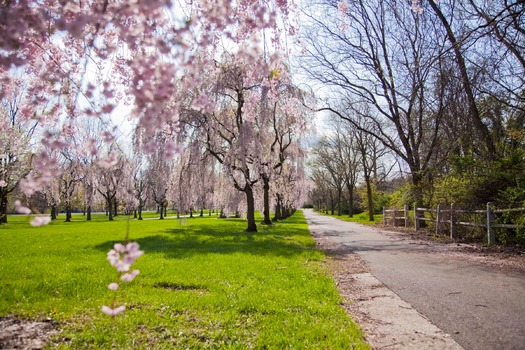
40	221
113	312
113	286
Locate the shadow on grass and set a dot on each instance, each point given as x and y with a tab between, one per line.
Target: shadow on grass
286	238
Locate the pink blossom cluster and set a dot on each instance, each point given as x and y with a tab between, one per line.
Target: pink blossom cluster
37	221
121	257
416	6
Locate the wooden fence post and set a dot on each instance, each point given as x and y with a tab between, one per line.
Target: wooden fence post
394	214
438	218
491	235
384	216
406	215
416	218
452	222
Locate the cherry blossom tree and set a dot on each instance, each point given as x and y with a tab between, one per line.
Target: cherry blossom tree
281	125
110	173
15	155
70	177
17	139
160	166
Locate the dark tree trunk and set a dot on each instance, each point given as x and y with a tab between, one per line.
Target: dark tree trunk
266	200
68	212
109	202
88	214
54	211
250	213
278	209
339	201
161	212
115	208
3	209
369	198
140	210
350	201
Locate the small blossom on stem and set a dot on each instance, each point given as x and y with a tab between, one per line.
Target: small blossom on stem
128	277
19	208
121	257
113	286
113	312
40	221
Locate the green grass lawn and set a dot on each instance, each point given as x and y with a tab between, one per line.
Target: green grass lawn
204	283
361	218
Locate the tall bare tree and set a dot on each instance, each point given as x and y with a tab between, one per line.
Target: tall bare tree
379	63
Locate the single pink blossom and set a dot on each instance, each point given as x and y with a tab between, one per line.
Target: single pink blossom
120	248
40	221
132	256
132	247
113	257
113	286
122	266
113	312
19	208
128	277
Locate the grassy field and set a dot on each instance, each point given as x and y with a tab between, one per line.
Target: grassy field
204	283
361	218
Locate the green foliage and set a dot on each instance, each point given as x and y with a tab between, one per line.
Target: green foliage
379	198
204	283
450	189
401	196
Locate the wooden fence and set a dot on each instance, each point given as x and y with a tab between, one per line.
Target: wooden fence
449	217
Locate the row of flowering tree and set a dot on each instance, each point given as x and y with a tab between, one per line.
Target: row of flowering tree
249	117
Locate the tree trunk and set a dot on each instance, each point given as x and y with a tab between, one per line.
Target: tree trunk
339	196
370	199
250	213
68	212
278	209
115	208
350	200
88	218
109	202
3	209
54	212
161	211
266	200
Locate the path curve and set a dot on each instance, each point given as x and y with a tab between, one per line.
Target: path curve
479	306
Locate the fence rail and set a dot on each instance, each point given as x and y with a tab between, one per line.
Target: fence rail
393	217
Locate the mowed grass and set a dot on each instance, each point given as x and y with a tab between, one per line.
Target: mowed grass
204	283
361	218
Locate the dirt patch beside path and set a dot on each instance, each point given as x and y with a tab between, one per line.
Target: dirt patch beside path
24	334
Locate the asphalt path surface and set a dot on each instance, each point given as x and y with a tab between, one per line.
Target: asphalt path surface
479	306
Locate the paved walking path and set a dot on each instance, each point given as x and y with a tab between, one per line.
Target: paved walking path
478	306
